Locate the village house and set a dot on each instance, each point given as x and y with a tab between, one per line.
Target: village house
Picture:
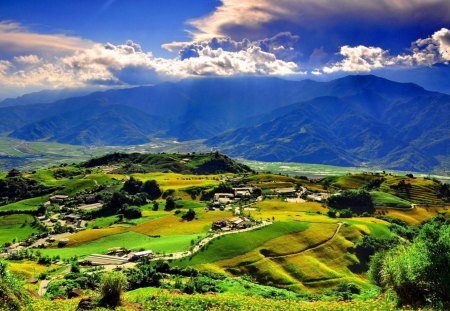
235	223
243	192
223	198
58	198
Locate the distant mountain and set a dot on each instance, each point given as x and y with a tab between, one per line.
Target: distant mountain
94	124
354	120
45	96
375	121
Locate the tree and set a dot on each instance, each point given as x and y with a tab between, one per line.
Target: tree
358	201
118	200
170	204
155	206
133	186
189	215
418	272
151	188
112	285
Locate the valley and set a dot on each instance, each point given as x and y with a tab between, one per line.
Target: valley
241	232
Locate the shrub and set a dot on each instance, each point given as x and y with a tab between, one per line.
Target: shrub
419	272
112	285
189	215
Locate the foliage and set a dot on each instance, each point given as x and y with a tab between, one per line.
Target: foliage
112	286
358	201
189	215
170	204
14	189
419	272
12	294
151	188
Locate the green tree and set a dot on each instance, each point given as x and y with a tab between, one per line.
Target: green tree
133	186
151	188
189	215
170	204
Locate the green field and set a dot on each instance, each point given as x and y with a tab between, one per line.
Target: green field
25	205
131	240
233	245
15	227
388	200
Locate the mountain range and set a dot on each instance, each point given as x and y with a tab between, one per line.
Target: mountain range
351	121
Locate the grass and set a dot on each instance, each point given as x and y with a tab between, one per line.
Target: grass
386	199
174	225
130	240
89	235
25	205
233	245
415	216
26	269
179	181
16	226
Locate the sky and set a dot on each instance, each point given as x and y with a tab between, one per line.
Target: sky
105	43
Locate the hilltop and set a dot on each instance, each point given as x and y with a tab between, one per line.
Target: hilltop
191	163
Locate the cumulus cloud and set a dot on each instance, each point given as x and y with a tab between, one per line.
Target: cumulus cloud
129	64
423	52
283	45
27	59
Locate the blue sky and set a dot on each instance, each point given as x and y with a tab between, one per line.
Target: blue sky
58	44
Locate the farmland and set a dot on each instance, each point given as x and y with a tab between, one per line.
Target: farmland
291	241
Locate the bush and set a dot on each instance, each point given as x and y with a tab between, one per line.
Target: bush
151	188
112	285
132	212
170	204
12	294
419	272
189	215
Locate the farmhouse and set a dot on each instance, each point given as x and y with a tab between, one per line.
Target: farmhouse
92	206
243	192
58	198
72	217
231	224
99	260
319	197
285	191
223	198
139	255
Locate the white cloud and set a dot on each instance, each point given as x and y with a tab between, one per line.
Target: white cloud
119	64
256	14
14	38
27	59
423	52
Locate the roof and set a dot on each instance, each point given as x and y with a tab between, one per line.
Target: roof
143	253
98	259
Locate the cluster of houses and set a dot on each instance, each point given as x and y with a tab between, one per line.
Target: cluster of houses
228	198
235	223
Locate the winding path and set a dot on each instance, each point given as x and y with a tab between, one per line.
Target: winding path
208	239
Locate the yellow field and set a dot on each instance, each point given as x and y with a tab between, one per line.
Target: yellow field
303	260
92	234
178	181
286	211
173	225
28	269
414	216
